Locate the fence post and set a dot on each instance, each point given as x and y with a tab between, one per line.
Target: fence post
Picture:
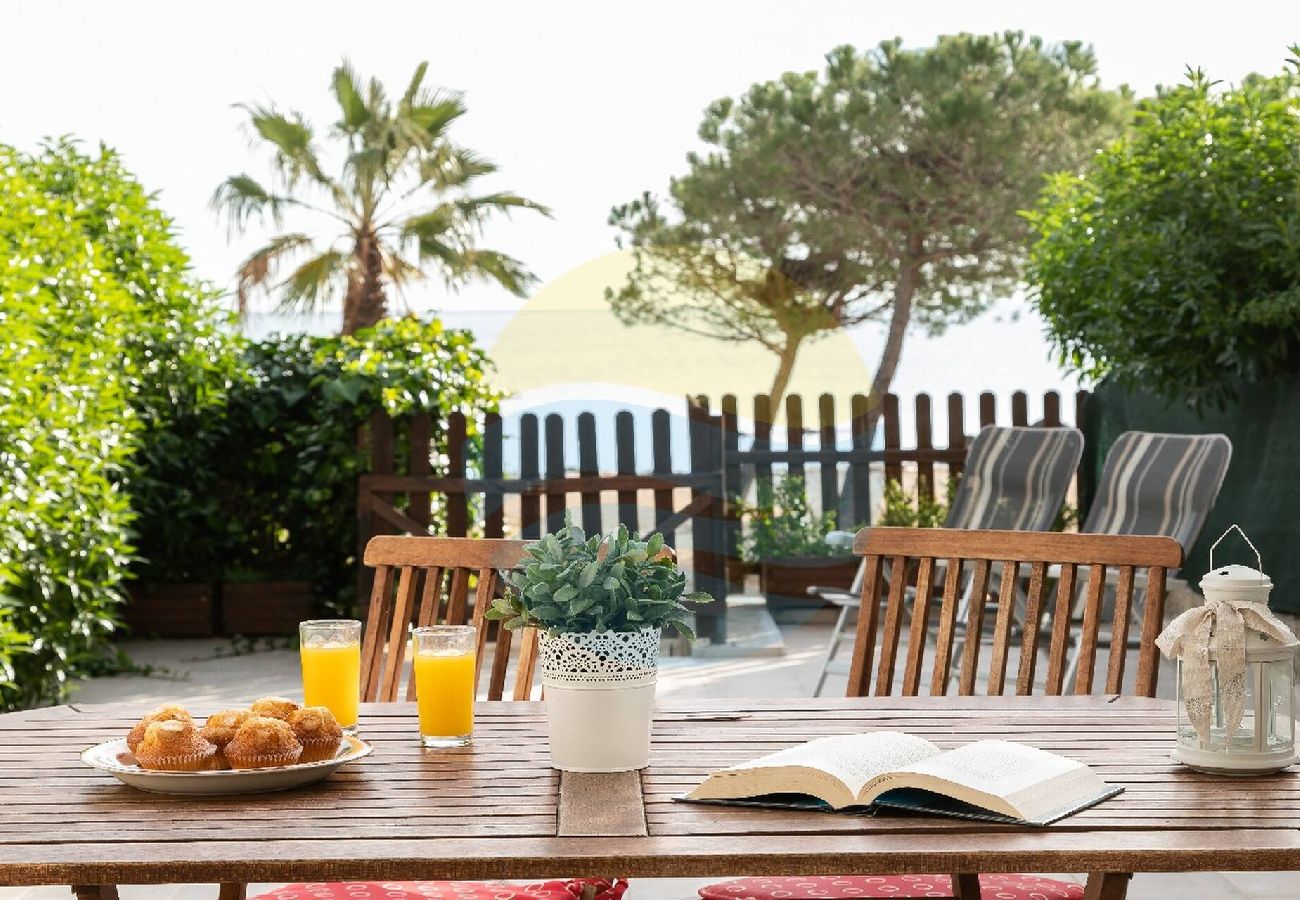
662	451
625	451
924	446
530	504
706	531
894	467
554	469
731	486
457	504
494	511
588	466
861	471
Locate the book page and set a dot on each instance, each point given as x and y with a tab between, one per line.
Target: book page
833	769
1003	776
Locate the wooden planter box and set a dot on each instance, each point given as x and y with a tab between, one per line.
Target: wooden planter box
264	608
786	580
179	610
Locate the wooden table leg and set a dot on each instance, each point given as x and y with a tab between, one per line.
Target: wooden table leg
233	890
95	891
966	887
1107	886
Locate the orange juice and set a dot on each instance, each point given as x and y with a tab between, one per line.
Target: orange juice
444	691
331	677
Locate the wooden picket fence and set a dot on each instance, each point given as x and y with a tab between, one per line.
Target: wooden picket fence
401	490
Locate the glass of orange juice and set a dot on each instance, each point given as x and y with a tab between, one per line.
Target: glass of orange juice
444	683
331	667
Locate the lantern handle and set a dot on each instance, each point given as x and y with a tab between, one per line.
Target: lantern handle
1237	528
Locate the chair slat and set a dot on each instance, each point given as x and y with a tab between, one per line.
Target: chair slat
487	580
1033	622
427	613
865	643
892	627
1152	622
399	628
1091	624
527	664
920	627
500	662
457	597
947	629
970	658
1002	627
1119	631
1061	615
376	625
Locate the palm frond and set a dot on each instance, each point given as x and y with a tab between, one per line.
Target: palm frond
311	282
478	209
492	265
242	197
348	94
413	86
260	266
452	167
399	271
291	137
436	113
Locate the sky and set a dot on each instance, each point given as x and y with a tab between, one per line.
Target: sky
582	105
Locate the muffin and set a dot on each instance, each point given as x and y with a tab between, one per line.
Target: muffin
174	745
168	712
221	726
318	731
273	707
261	743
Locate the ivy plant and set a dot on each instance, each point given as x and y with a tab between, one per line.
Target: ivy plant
617	582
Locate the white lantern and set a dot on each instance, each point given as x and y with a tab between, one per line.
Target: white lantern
1236	676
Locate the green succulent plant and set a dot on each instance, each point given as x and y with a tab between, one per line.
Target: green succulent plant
616	582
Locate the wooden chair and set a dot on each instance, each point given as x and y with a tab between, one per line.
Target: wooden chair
1016	478
890	554
437	571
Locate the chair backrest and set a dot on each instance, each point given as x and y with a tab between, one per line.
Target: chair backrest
928	550
438	572
1015	478
1159	484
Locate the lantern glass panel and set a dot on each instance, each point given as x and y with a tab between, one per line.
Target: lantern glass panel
1279	699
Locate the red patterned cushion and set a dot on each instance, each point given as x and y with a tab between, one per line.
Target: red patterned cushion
900	887
447	890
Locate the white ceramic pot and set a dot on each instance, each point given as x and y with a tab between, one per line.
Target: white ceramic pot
600	695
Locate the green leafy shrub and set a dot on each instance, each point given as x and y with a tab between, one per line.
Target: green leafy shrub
781	523
105	338
275	468
899	509
66	436
1173	262
572	583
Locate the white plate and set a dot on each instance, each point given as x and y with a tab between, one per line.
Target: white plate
114	757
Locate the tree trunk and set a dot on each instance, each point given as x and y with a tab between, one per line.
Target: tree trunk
783	372
366	302
904	293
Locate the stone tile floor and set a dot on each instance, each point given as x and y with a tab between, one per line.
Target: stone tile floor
205	673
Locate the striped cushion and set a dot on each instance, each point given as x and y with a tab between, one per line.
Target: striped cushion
858	887
1016	478
1163	484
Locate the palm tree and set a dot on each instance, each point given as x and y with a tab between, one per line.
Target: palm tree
400	208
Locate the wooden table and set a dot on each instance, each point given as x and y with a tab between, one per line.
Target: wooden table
497	810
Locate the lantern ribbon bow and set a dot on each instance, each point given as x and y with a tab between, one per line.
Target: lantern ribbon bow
1218	627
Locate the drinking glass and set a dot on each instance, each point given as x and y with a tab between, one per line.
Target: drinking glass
331	667
444	683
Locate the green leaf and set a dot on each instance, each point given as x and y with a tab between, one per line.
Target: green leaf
588	575
565	593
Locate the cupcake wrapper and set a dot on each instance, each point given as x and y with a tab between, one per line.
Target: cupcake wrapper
316	751
264	761
189	762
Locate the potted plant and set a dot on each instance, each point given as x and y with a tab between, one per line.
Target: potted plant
600	605
787	541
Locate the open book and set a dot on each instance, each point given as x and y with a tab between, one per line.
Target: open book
995	780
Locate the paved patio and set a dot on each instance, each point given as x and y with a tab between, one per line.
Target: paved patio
209	672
